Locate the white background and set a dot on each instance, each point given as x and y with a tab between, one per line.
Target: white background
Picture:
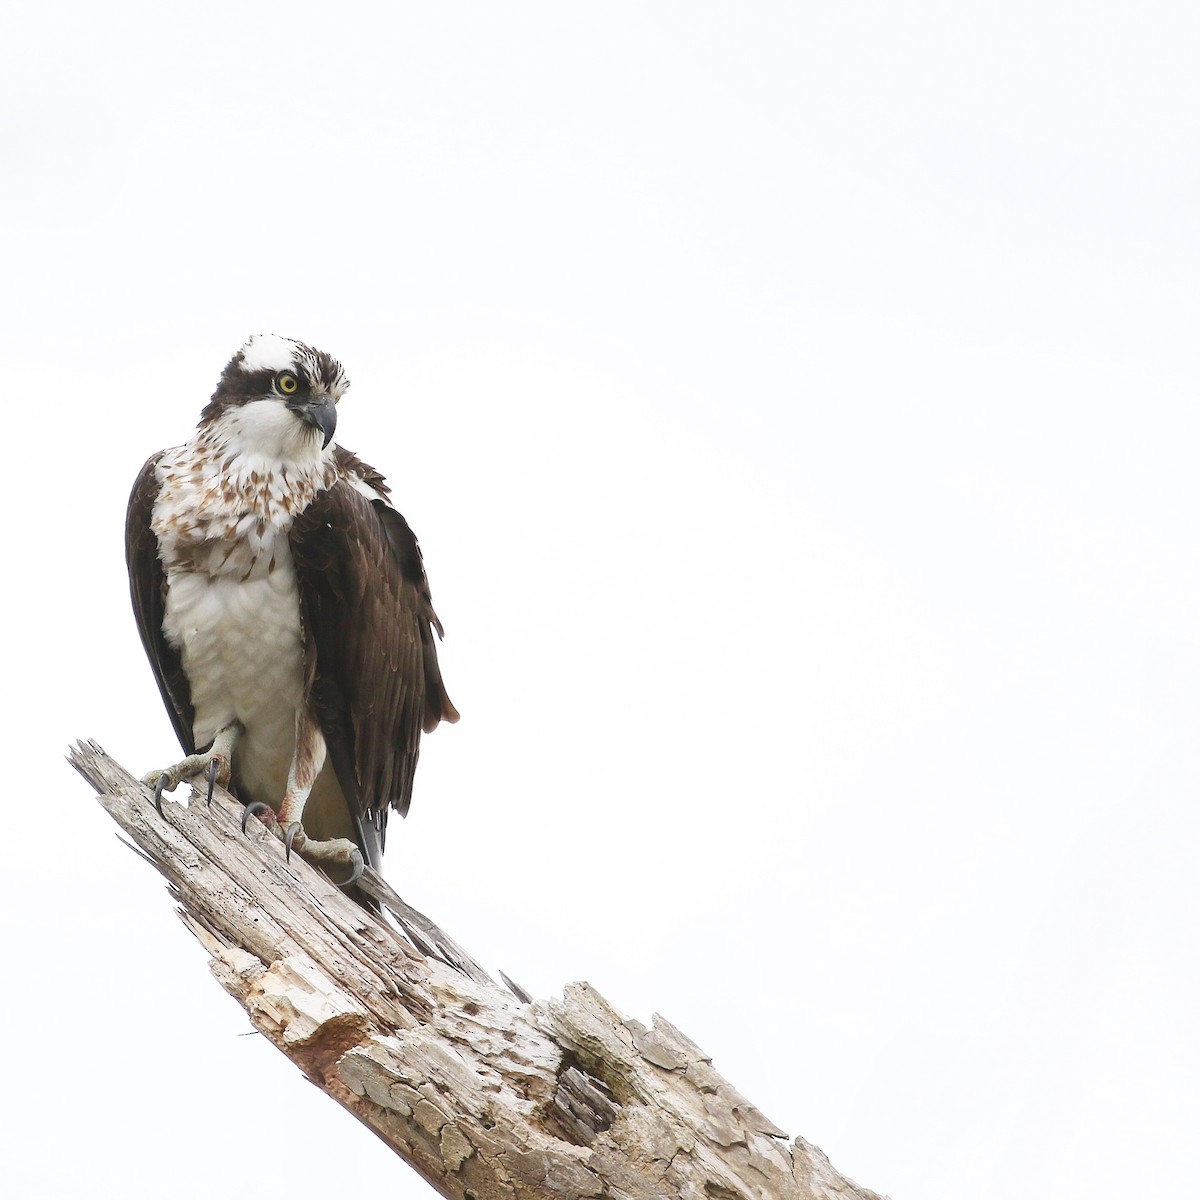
797	407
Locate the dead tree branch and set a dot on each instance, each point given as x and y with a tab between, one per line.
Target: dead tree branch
484	1094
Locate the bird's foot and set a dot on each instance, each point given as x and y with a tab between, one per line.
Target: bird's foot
335	857
214	765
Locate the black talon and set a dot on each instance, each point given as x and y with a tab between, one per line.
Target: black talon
212	778
356	874
159	784
289	837
254	809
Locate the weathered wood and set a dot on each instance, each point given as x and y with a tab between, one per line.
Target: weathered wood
484	1094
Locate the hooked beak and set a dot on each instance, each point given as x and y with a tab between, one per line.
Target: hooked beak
320	412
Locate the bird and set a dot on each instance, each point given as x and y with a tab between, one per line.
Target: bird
284	607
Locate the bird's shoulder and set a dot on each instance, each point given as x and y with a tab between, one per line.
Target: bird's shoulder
354	517
366	479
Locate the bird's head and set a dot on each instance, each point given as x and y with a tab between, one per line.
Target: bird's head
277	397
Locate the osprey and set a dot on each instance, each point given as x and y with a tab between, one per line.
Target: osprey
283	605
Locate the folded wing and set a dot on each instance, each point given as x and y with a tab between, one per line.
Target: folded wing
368	625
148	589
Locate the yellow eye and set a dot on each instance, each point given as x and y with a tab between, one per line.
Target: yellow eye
287	383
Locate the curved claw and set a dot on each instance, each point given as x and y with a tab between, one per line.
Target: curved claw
212	778
160	783
289	836
254	809
356	874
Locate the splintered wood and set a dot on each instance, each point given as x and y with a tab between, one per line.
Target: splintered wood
487	1095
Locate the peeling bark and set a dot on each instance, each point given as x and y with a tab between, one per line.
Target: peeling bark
487	1095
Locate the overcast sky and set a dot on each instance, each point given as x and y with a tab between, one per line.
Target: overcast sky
797	407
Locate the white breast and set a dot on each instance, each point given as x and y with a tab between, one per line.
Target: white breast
239	641
232	607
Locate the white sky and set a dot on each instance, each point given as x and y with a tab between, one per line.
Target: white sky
797	407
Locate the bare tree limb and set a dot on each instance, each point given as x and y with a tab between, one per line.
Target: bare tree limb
486	1095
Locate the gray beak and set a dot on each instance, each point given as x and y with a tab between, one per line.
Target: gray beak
320	412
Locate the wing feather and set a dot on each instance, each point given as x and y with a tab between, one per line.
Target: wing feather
367	621
147	587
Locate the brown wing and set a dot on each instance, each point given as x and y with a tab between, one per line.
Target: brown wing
370	659
147	588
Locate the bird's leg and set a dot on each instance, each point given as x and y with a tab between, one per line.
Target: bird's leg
337	856
216	762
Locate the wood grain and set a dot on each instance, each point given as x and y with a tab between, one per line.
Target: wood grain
486	1095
